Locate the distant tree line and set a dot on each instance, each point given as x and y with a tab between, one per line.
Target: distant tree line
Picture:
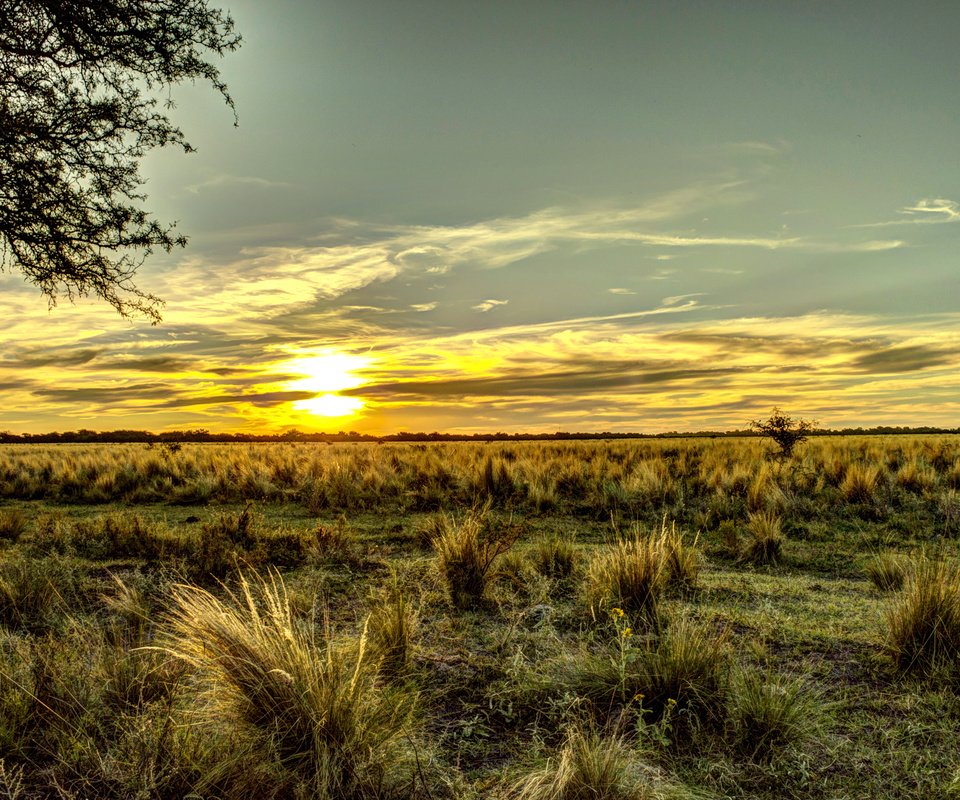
201	435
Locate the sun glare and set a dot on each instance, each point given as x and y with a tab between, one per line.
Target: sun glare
327	373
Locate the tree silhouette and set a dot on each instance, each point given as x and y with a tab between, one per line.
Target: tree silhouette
784	430
82	85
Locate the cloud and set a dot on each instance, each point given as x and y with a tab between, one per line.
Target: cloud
422	307
58	357
923	212
904	359
600	377
677	299
159	363
259	399
488	305
620	290
226	181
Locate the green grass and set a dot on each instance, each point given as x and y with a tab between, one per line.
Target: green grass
135	660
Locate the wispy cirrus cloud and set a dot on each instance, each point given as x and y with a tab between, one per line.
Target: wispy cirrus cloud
351	255
227	181
924	212
489	305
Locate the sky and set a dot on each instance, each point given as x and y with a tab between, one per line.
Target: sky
537	215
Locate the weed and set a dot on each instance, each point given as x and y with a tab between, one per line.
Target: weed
629	574
681	560
684	669
35	591
336	542
393	624
859	482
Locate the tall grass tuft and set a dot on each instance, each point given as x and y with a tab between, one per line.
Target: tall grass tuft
683	669
766	539
393	625
682	561
555	557
769	715
13	522
887	571
923	621
590	767
859	483
308	706
466	551
629	574
34	592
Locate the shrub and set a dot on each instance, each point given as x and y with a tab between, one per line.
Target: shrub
766	539
923	621
887	571
308	707
785	431
466	550
590	767
770	714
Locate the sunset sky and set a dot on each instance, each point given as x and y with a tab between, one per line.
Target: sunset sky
522	215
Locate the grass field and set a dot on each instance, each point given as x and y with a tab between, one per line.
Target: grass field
629	619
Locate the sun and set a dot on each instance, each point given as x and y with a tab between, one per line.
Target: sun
327	372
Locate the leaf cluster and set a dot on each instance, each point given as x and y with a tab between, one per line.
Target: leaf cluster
82	87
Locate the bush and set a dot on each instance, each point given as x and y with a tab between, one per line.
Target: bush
784	430
309	708
771	714
923	621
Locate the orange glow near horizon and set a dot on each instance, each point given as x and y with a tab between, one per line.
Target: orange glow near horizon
327	372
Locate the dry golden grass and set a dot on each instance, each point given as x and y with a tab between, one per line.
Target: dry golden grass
310	708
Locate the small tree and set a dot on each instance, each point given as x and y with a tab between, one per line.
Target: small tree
784	430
